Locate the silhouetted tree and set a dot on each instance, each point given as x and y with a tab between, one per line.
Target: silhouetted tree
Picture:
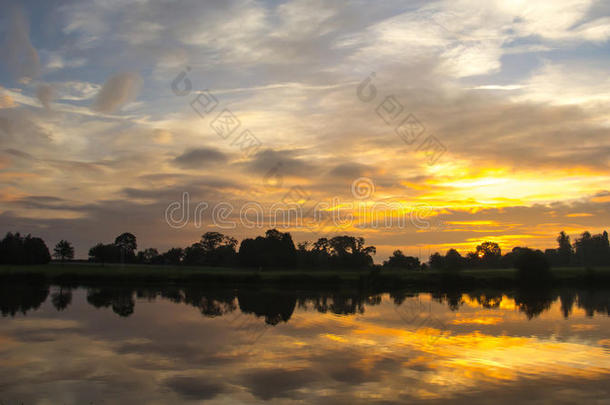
149	256
472	260
531	264
15	249
317	256
173	256
304	256
489	254
126	242
436	261
275	249
249	252
101	253
508	260
63	250
399	261
350	252
565	252
12	250
453	260
36	251
592	250
279	248
214	249
552	255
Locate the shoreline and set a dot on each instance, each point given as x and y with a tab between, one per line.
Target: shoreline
70	273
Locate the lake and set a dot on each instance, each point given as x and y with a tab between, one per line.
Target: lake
122	344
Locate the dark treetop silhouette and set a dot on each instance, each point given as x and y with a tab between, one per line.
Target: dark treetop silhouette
277	249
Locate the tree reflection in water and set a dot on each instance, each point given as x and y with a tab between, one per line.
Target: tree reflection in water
278	305
22	297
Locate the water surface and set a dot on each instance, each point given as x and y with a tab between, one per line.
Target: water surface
126	345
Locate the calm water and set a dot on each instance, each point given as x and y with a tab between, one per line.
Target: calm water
188	345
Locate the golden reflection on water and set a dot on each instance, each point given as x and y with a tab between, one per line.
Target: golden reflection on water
454	362
419	350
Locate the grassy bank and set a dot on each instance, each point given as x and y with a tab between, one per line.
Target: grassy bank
75	273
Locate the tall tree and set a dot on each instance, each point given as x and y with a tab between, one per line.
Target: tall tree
565	251
453	260
436	261
489	254
593	249
127	244
63	250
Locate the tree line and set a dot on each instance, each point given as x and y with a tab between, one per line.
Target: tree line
587	250
277	249
274	249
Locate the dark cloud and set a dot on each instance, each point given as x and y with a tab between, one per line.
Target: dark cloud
17	51
283	162
200	158
19	154
75	167
45	202
267	384
45	94
195	388
351	170
117	91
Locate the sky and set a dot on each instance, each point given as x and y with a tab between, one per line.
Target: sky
470	120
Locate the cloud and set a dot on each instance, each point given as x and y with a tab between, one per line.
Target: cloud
6	101
285	162
73	90
19	154
351	170
117	91
24	129
199	158
162	136
568	82
267	384
55	61
17	50
195	388
45	94
470	71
